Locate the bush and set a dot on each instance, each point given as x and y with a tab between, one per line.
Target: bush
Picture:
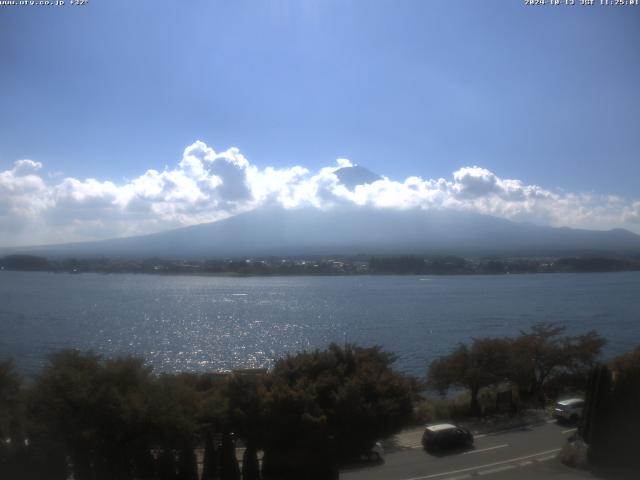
575	455
429	410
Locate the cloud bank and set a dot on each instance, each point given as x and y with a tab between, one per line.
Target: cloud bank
206	186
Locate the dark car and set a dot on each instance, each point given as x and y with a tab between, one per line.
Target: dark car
445	436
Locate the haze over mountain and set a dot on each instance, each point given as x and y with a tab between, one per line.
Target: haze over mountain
277	231
348	230
207	186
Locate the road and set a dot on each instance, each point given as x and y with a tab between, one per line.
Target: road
526	452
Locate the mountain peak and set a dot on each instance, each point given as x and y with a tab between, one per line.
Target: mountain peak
356	175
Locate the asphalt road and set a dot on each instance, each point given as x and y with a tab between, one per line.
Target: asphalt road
526	452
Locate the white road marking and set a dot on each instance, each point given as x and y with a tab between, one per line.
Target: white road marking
569	431
497	469
411	445
544	459
480	467
486	449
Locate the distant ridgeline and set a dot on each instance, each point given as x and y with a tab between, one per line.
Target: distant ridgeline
359	265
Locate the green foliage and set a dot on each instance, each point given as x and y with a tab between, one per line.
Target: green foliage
9	391
484	363
115	420
12	448
334	403
543	352
245	396
431	410
530	360
24	262
173	408
97	410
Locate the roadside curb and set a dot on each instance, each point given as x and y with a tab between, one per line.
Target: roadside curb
489	430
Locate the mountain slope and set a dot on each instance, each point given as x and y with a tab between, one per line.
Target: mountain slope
315	232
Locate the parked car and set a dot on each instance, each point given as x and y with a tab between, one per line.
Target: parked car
445	436
568	410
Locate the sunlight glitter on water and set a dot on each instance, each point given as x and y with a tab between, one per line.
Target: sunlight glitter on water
196	324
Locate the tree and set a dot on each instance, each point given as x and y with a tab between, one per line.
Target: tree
9	390
542	352
115	420
595	422
122	420
322	404
63	402
167	469
97	410
173	410
250	465
211	461
229	468
11	421
625	399
484	363
187	464
245	394
611	418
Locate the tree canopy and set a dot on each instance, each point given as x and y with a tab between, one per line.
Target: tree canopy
113	419
485	362
529	360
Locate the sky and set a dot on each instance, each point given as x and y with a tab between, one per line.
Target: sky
120	118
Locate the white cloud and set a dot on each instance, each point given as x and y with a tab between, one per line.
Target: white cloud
632	213
474	182
206	186
22	191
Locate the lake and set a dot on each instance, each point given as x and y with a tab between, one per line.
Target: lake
202	323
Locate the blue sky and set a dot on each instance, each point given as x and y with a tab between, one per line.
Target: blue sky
546	95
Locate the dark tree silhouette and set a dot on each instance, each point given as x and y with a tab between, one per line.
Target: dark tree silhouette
611	418
484	363
250	465
187	464
325	406
542	352
211	460
167	469
229	468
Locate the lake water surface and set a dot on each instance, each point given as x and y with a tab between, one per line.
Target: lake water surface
198	323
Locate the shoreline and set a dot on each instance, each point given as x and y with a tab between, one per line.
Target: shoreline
307	275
